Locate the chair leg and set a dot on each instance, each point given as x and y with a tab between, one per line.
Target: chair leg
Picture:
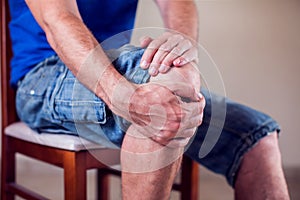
75	176
8	171
189	179
102	185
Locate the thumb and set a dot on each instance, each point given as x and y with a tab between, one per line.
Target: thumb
187	93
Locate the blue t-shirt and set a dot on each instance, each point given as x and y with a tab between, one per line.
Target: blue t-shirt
104	18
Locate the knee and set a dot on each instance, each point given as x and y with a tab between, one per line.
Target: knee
265	151
188	74
141	154
268	144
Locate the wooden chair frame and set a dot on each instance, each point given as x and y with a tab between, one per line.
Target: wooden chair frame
74	163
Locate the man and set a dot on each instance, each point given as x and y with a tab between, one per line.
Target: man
55	41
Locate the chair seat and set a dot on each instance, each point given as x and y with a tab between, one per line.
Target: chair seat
67	142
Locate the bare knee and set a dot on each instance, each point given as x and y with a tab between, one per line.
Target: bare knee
141	154
266	148
265	153
188	74
261	175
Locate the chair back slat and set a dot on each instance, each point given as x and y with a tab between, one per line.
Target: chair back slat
7	93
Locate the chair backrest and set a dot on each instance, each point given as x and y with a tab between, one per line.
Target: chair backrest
7	93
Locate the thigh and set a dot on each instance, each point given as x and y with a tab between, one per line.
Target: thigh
50	99
34	99
228	131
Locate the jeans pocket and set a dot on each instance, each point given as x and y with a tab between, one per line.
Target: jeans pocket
74	102
42	77
33	91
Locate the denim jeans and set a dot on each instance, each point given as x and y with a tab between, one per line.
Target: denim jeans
50	99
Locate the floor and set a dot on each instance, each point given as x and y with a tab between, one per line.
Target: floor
48	180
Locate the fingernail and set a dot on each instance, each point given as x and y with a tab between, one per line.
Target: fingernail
177	62
152	71
200	95
162	68
144	64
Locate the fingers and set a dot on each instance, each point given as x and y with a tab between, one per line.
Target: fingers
151	50
173	132
192	109
191	55
163	116
145	41
185	91
175	141
166	51
192	119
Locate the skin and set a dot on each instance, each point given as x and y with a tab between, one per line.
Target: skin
261	176
155	182
173	48
148	166
81	52
76	46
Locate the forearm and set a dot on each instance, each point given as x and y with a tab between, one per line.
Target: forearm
76	46
181	16
85	58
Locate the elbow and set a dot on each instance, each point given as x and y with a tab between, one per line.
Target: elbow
52	19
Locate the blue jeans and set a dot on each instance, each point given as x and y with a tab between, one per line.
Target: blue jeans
50	99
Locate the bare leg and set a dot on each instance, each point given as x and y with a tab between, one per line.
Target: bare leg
142	182
148	168
261	176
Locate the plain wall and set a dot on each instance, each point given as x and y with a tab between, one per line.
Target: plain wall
256	46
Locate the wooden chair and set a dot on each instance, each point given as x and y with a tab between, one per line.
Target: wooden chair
74	156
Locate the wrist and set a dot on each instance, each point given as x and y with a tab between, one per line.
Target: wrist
120	96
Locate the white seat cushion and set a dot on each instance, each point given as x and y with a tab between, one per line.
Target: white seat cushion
68	142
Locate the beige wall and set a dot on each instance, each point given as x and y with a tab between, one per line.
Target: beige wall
256	46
